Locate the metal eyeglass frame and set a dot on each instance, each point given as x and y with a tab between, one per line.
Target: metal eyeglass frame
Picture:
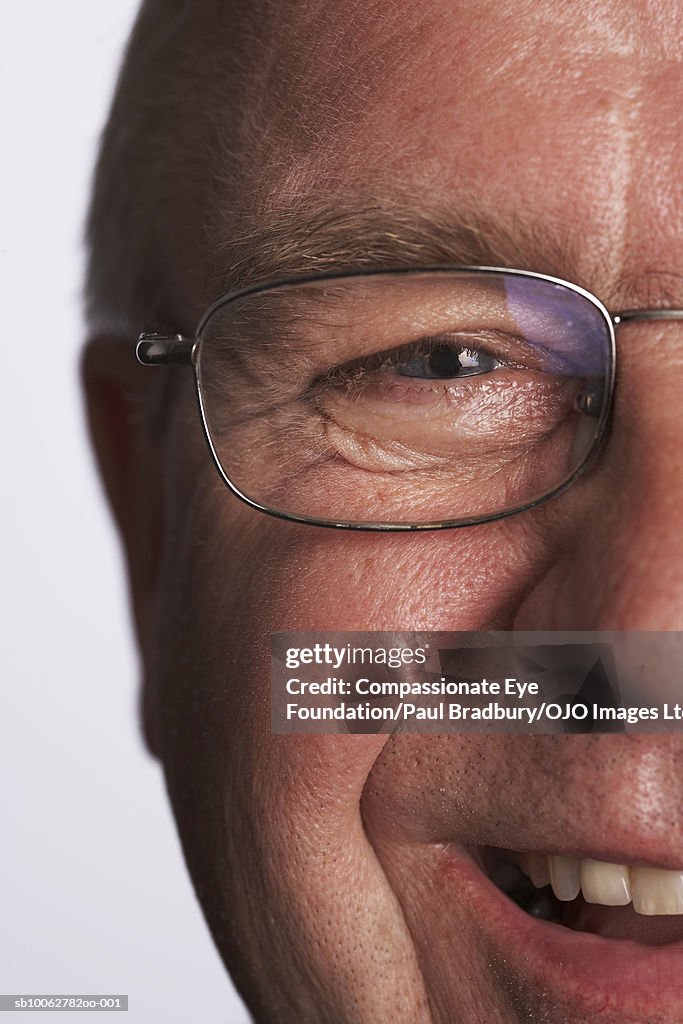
154	349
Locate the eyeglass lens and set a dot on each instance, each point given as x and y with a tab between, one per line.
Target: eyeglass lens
404	399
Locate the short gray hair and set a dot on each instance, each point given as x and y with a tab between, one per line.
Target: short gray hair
152	164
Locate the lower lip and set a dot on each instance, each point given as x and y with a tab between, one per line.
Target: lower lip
584	974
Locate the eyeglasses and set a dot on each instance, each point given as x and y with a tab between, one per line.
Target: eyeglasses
406	399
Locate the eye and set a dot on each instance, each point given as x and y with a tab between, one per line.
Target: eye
441	360
445	357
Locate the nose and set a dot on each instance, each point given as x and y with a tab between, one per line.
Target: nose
617	561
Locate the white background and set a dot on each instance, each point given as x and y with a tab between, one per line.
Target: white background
94	896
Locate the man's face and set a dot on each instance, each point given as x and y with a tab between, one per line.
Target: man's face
333	870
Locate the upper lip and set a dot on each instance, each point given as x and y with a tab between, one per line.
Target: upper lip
614	799
611	854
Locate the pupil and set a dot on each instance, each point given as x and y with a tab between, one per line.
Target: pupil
445	361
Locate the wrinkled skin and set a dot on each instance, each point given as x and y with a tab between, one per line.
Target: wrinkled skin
319	859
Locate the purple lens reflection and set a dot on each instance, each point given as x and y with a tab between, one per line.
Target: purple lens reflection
544	309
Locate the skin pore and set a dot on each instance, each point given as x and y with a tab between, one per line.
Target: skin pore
552	134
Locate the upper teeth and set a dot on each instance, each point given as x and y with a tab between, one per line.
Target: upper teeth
652	890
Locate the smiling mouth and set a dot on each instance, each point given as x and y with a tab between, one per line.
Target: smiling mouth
588	958
532	905
619	901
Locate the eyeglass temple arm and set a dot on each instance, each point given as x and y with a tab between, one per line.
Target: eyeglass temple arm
646	314
166	349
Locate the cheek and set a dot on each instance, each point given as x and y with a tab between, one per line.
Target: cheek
233	576
230	576
290	577
275	820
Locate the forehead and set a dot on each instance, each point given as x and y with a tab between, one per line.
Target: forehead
557	123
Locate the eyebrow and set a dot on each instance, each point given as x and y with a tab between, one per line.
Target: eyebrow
310	240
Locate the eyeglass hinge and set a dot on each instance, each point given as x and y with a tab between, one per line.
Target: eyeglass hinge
165	349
